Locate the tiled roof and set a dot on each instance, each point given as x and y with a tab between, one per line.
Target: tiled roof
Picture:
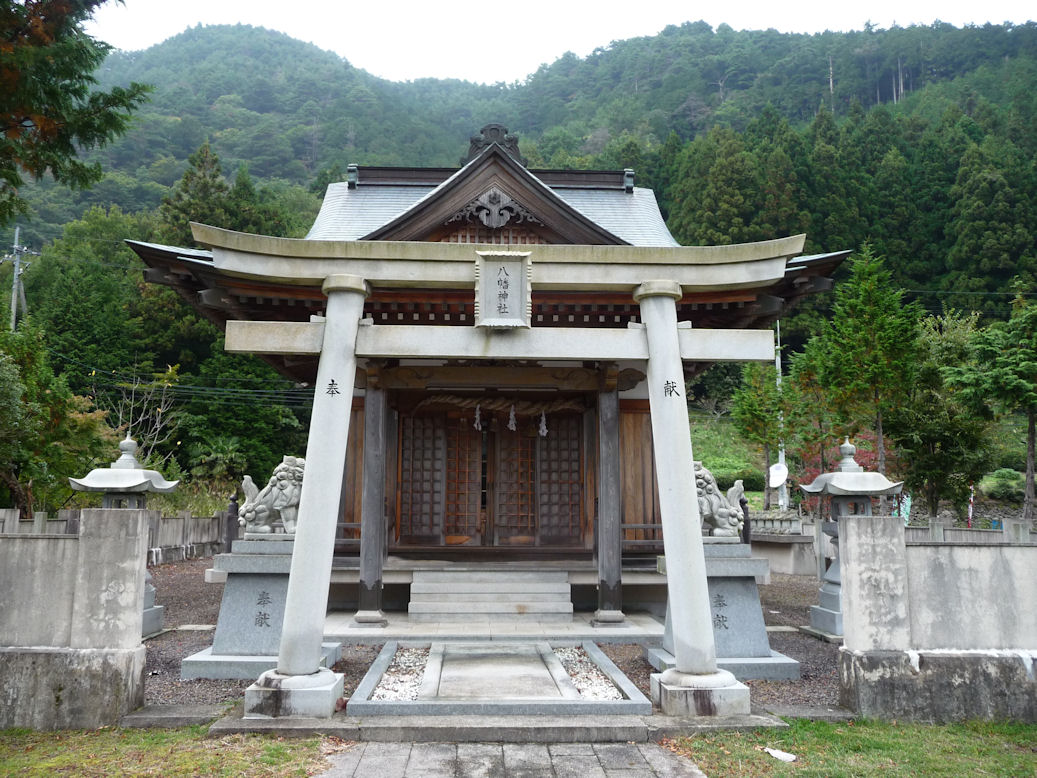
350	214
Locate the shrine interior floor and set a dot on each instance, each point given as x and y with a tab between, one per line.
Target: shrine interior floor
637	628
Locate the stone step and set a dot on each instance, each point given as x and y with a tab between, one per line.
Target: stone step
456	729
515	576
474	608
452	596
622	728
468	619
503	595
489	588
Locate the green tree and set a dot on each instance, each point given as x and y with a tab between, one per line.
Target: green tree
1002	375
218	459
944	445
810	417
758	410
870	346
52	434
730	200
201	196
80	292
49	110
993	224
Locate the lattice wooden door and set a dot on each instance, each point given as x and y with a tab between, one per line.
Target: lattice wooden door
514	480
439	481
538	483
458	485
559	482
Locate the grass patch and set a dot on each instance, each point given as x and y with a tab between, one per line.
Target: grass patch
715	439
166	752
724	453
865	748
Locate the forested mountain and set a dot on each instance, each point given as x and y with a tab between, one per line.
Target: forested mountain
920	141
293	112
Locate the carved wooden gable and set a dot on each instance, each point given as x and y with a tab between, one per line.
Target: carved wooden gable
494	199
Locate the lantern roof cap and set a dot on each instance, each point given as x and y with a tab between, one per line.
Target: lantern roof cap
125	474
849	478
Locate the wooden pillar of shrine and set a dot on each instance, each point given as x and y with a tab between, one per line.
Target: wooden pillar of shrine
610	541
372	512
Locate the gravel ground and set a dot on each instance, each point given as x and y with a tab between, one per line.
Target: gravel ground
190	601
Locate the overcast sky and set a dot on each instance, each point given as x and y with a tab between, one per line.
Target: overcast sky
490	42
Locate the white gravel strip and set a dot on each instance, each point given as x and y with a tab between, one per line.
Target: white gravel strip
402	679
590	682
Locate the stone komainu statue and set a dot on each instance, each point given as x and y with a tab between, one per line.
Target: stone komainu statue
279	499
721	516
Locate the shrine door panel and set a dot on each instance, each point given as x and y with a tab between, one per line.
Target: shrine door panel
439	481
460	486
513	478
537	485
559	487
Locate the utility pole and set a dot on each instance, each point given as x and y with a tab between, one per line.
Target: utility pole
17	290
783	490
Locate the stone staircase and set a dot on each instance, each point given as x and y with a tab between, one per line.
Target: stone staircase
499	595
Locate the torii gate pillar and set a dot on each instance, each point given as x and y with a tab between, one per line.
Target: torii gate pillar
300	686
695	685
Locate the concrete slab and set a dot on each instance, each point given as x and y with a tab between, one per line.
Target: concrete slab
473	728
486	760
620	756
820	634
812	712
488	678
638	627
168	716
506	671
207	664
480	760
662	727
776	667
578	767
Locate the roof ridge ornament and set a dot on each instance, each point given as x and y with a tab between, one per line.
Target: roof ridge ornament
494	133
494	208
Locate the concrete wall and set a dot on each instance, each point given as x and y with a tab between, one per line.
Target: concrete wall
972	597
170	538
936	631
175	538
788	554
70	627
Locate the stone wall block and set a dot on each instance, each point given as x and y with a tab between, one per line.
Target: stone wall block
874	583
55	688
939	687
107	610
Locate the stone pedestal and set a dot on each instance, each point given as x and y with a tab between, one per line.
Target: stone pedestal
714	694
826	619
248	629
739	631
276	695
154	615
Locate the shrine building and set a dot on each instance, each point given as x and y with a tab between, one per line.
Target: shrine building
481	353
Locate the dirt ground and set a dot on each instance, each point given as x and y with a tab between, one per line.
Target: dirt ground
189	601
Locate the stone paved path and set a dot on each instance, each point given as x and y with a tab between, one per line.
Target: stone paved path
509	760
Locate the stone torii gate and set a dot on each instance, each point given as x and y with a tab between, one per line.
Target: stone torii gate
655	279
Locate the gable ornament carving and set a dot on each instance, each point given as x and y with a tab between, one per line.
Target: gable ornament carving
493	134
494	209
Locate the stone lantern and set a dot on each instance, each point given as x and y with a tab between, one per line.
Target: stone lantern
124	483
850	490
